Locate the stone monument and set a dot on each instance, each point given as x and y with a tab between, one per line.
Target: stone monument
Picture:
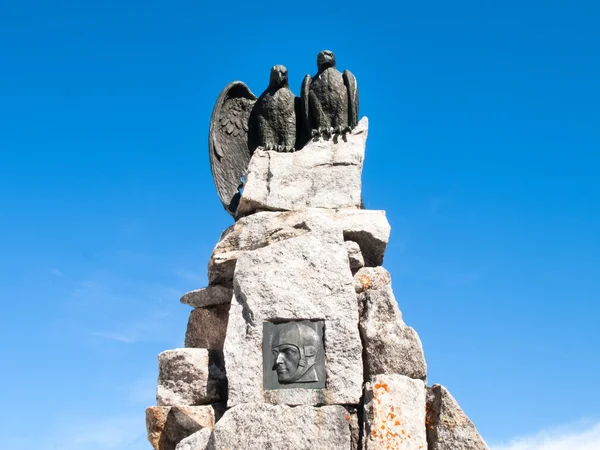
298	341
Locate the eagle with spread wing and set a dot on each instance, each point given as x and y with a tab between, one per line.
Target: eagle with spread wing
277	120
240	123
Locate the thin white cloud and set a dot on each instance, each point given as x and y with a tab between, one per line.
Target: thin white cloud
582	436
434	205
115	433
95	428
93	433
192	276
143	329
57	272
141	391
106	306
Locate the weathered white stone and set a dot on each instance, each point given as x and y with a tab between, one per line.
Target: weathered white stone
208	296
207	327
394	413
390	346
189	376
448	427
369	229
306	277
354	255
371	278
168	425
326	173
280	427
196	441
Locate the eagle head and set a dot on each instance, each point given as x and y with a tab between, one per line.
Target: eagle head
325	59
279	76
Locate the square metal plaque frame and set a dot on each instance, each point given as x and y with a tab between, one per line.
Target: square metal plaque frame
282	331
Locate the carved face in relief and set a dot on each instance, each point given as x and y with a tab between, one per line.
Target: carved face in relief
287	358
294	349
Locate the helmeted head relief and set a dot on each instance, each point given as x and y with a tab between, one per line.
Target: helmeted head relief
325	59
295	347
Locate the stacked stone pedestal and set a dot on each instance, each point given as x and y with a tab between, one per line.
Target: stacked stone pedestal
302	252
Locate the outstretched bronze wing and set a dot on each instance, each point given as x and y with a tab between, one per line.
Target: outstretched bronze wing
352	87
228	142
305	119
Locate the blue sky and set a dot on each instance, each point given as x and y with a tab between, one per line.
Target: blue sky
483	149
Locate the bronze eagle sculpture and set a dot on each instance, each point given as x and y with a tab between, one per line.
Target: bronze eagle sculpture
329	99
277	120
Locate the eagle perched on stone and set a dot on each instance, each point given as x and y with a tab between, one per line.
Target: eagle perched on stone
277	120
329	100
240	123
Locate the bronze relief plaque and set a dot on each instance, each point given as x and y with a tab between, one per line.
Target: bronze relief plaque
293	355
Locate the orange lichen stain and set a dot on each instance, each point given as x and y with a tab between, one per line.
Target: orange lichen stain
387	420
348	418
365	281
382	386
429	416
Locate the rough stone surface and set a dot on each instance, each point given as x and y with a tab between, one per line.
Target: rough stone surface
390	346
354	255
326	173
448	428
394	413
369	229
280	427
196	441
189	376
168	425
209	296
371	278
207	327
355	428
307	277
